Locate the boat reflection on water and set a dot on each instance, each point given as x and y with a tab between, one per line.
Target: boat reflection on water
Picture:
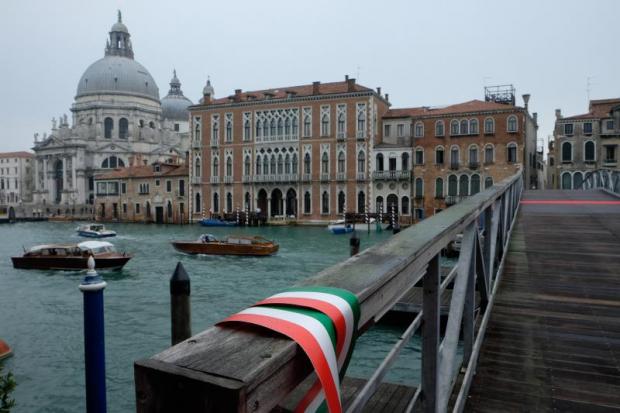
230	245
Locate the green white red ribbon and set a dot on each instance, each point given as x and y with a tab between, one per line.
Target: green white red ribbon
323	321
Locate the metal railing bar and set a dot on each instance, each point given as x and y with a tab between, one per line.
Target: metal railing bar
413	400
453	272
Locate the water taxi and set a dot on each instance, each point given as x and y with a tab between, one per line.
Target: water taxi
95	231
230	245
340	227
71	256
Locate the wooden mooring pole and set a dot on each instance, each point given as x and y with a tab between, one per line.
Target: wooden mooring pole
180	311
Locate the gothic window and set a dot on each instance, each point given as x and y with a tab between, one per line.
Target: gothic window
280	164
266	165
273	165
361	162
258	165
287	164
489	126
361	119
325	125
280	127
169	210
294	164
123	128
325	163
196	128
341	123
307	164
108	125
439	158
229	202
272	128
307	203
380	162
229	126
216	202
287	127
247	126
215	127
405	205
294	131
341	166
247	165
307	122
341	202
215	167
361	202
265	129
325	203
259	128
198	207
197	170
512	123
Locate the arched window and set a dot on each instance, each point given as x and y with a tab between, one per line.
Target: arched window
294	132
439	128
259	128
258	165
307	205
566	181
197	168
216	167
488	182
216	202
341	124
473	156
452	185
246	129
473	126
198	207
123	128
419	130
464	185
280	127
361	121
287	164
405	161
266	165
475	184
325	163
511	124
287	126
307	164
294	165
489	153
112	162
325	203
280	164
454	157
489	126
439	156
272	129
341	166
405	205
108	125
229	202
464	127
247	165
454	127
511	156
419	156
273	165
361	162
577	180
229	166
325	125
379	162
419	188
228	131
307	125
590	152
361	202
215	130
439	188
567	152
152	125
341	202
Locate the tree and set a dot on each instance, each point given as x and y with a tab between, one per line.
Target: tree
7	385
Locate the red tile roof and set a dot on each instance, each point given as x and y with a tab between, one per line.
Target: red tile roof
598	109
458	108
19	154
145	171
296	91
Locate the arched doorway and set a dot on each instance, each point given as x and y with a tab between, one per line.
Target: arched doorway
392	202
262	202
58	180
276	202
291	203
11	214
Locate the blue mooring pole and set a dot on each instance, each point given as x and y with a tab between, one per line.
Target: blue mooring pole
94	346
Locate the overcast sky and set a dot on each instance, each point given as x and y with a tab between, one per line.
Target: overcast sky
420	52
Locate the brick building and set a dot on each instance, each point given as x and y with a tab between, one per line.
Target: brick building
584	143
301	151
143	193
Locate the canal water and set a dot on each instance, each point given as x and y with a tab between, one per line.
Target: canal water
41	311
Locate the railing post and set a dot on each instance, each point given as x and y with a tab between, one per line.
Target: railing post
180	310
430	335
92	287
469	305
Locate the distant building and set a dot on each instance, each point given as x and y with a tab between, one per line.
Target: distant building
584	143
143	193
16	177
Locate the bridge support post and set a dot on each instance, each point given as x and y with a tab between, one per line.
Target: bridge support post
430	335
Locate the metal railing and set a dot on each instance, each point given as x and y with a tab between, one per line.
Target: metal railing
215	179
245	369
605	179
391	175
196	180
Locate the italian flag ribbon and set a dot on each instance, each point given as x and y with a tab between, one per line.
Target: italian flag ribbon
323	322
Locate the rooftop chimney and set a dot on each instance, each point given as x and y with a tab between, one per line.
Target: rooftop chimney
237	95
558	113
379	90
526	99
315	88
346	78
535	116
387	97
350	85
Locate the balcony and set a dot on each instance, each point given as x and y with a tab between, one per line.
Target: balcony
179	194
341	176
215	179
341	136
361	176
228	180
473	165
246	178
197	144
306	177
360	135
324	177
196	180
454	166
391	175
214	143
610	162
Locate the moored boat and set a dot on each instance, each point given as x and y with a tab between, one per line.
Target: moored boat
216	222
71	256
230	245
340	227
95	231
5	350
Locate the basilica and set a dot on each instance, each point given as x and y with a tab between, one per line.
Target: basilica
117	120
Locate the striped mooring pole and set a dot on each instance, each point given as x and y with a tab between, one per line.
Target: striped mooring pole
92	287
238	215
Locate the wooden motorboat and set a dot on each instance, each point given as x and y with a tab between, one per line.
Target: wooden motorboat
71	256
340	227
95	231
231	245
5	350
216	222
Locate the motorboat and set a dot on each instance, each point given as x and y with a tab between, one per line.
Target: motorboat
230	245
71	256
216	222
5	350
340	227
95	231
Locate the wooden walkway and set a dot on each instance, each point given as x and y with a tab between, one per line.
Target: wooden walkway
553	341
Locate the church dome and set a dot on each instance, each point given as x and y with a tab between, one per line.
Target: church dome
174	104
118	72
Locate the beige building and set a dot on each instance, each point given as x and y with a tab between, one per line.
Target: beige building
156	193
16	177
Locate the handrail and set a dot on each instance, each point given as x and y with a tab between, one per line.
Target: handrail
246	369
606	179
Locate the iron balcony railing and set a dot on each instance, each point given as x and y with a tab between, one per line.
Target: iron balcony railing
214	143
325	177
361	176
196	180
306	177
391	175
228	180
215	179
341	176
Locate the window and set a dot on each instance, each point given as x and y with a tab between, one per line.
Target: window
464	127
568	129
587	128
577	180
272	128
489	154
307	205
405	161
419	129
419	156
229	126
287	127
610	125
280	127
196	128
439	188
464	185
361	119
341	166
325	163
247	164
294	132
157	182
566	181
229	203
473	126
197	166
324	120
137	208
454	157
280	164
124	208
259	129
325	203
215	128
342	119
512	152
488	182
419	188
400	130
307	164
512	123
439	156
475	184
123	128
258	165
361	202
112	162
123	188
181	187
380	162
439	128
452	185
387	129
489	126
198	206
152	125
272	165
215	167
341	202
361	162
168	186
567	152
108	125
405	204
287	164
454	127
473	155
307	114
392	163
589	151
294	163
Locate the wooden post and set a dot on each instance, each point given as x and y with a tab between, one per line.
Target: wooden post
354	243
180	311
430	335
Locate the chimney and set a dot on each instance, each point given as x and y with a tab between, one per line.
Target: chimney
350	85
387	97
535	116
558	114
379	90
315	88
346	78
237	95
526	99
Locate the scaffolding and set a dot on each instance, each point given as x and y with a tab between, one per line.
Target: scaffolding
504	94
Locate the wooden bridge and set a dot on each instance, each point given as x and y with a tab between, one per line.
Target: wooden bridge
534	307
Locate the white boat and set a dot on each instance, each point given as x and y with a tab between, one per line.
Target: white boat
95	231
339	227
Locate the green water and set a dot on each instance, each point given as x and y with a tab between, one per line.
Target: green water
41	311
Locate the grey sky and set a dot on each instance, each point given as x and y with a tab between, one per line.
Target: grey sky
420	52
